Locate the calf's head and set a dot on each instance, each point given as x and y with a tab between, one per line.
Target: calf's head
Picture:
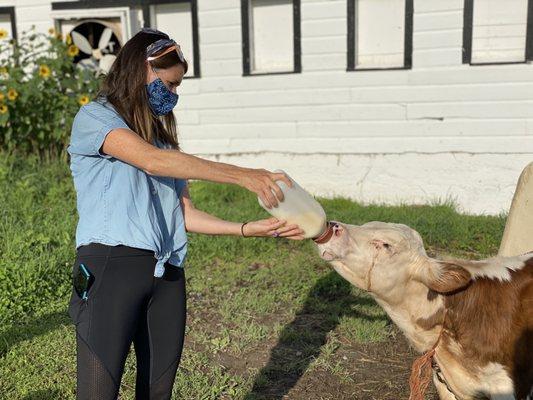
384	258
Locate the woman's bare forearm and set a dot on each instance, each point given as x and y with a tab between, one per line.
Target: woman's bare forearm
129	147
198	221
176	164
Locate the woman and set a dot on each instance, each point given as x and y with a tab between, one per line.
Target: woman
134	210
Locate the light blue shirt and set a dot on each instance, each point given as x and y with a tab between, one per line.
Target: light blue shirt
117	202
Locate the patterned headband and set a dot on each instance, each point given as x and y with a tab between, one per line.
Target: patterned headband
161	44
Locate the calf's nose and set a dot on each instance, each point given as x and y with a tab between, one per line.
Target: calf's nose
337	229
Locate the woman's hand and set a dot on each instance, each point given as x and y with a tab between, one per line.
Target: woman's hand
262	183
274	228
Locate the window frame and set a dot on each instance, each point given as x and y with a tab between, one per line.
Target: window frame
407	45
468	30
145	5
10	10
297	40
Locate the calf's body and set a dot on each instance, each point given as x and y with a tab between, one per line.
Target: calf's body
479	312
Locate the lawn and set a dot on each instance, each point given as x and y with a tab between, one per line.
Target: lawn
267	318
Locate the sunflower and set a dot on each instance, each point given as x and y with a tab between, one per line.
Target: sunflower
51	31
59	35
44	71
3	108
68	38
83	99
2	96
3	33
73	50
12	94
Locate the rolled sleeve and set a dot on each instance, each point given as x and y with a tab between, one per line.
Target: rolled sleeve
90	127
180	185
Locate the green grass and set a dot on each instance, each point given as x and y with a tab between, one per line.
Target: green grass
260	310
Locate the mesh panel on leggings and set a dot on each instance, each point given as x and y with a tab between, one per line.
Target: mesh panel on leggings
94	381
161	389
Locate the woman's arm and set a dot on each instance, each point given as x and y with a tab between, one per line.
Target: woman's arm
201	222
129	147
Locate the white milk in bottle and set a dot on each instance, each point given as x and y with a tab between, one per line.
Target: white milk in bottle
299	207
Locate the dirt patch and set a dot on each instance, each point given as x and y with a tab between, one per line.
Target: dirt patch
303	363
372	371
376	371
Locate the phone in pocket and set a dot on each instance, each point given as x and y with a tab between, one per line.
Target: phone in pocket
82	280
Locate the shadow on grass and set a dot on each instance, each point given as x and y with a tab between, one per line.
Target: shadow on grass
30	329
300	341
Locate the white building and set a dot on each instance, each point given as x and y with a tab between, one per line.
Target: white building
377	100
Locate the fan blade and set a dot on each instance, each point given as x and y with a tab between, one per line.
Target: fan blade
87	63
104	39
106	62
82	42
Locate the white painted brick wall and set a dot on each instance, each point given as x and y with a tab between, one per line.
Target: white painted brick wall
440	130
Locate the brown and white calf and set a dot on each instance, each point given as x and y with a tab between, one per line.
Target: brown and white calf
483	308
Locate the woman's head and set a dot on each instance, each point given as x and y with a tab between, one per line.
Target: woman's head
133	72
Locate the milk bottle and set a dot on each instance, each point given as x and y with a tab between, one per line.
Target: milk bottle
299	207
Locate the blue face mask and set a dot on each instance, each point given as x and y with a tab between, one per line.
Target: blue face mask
161	100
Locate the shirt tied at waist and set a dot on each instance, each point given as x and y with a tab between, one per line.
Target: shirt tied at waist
160	265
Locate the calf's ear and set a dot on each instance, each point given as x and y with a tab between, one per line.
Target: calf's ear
443	276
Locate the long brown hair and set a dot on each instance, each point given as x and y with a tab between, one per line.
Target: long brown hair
125	88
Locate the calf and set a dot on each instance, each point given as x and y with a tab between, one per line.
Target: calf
476	317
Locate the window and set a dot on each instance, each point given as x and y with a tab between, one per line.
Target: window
380	34
7	21
178	18
103	29
179	21
497	32
269	49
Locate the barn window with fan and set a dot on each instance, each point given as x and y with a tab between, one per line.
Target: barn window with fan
97	43
497	32
98	32
102	25
380	34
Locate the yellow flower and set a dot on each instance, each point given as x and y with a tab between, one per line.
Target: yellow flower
59	36
3	33
73	50
3	108
2	96
68	38
83	99
12	94
44	71
51	31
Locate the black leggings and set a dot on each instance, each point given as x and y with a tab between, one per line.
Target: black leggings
125	304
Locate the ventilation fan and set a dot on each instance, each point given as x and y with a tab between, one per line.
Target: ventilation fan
98	59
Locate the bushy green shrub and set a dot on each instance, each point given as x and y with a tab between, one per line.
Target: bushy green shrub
41	90
37	224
